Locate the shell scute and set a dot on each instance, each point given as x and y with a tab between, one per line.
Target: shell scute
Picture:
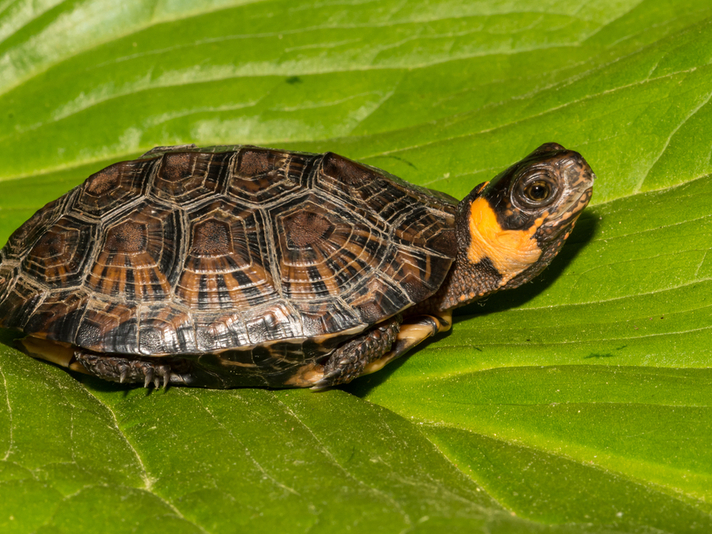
59	255
220	331
380	194
261	175
415	271
184	177
328	315
109	326
422	228
113	188
322	248
277	321
378	297
226	266
60	315
25	237
8	278
165	328
138	254
21	301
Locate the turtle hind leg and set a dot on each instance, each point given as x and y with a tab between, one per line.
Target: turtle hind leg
114	368
133	371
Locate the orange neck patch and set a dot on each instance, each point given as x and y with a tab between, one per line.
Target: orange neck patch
509	251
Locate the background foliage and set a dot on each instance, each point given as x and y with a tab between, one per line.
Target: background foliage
580	403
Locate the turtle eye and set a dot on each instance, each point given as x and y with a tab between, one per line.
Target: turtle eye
535	189
538	191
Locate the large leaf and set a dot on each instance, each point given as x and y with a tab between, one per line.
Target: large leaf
582	402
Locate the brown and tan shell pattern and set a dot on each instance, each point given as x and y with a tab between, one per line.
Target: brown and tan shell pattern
200	250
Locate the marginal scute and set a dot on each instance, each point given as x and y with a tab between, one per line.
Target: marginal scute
327	315
166	328
91	336
377	298
350	174
184	177
8	276
376	192
421	227
256	161
416	272
217	331
274	322
177	167
261	175
443	242
60	315
21	301
113	188
109	326
104	181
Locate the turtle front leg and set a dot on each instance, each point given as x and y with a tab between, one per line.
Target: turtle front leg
379	346
417	330
348	361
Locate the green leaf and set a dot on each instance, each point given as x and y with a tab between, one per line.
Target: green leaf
578	403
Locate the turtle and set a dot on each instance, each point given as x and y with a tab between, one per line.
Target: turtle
241	266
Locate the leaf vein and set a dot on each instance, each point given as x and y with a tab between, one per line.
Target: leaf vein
692	113
9	412
332	458
147	481
259	466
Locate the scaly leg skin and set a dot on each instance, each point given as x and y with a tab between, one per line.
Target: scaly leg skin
417	330
378	347
131	371
348	361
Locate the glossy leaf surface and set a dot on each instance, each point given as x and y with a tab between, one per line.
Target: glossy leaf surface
579	403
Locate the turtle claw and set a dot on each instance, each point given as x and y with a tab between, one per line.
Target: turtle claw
330	380
158	375
128	371
341	372
148	377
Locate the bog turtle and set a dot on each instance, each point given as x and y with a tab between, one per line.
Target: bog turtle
235	266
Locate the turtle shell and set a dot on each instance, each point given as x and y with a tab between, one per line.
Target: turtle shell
201	250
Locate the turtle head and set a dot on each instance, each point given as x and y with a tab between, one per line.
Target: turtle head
510	228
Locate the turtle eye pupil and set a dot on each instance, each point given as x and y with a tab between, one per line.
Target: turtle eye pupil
538	191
